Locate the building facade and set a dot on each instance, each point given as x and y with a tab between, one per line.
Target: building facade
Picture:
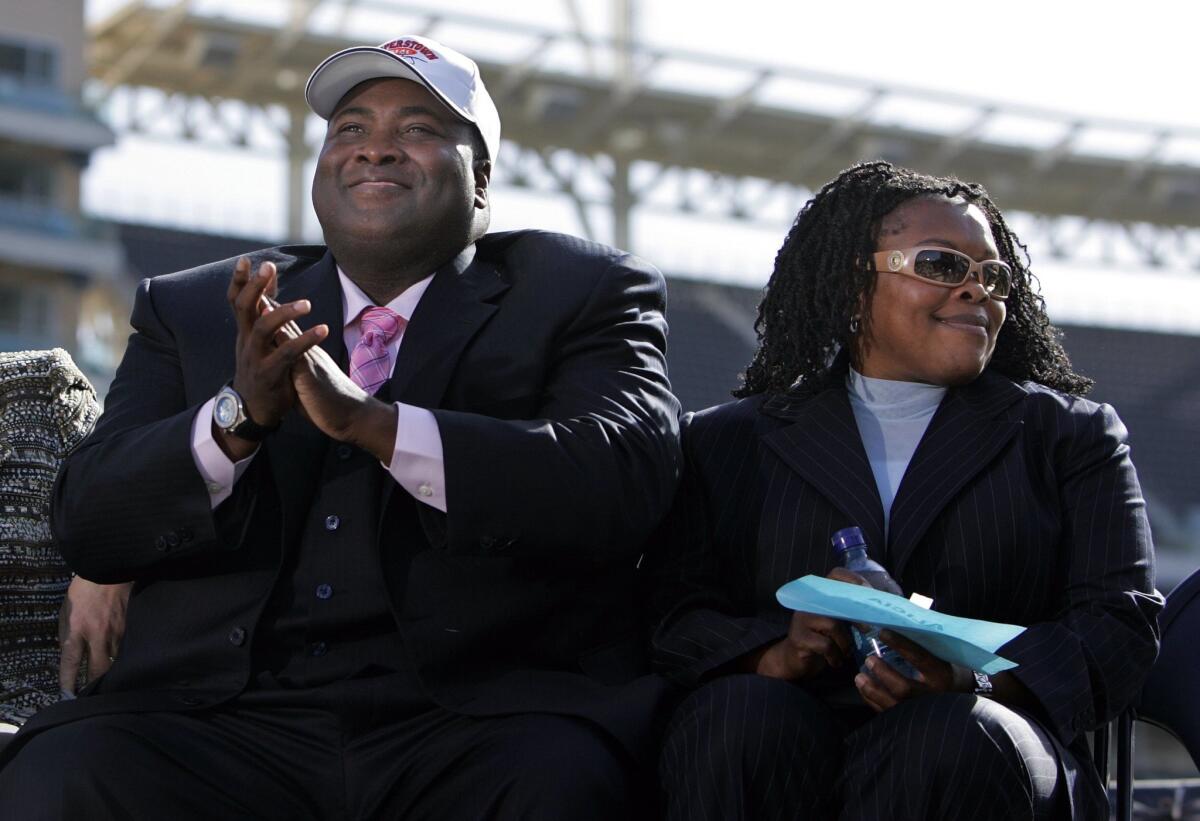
62	276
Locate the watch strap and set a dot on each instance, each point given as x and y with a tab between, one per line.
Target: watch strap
251	431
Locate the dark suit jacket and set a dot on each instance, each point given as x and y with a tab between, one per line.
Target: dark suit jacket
542	357
1020	505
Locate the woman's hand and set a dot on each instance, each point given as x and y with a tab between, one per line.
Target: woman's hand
884	688
91	622
813	643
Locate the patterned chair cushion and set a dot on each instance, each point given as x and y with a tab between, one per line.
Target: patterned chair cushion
47	406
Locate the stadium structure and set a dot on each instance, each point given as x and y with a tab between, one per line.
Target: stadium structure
603	122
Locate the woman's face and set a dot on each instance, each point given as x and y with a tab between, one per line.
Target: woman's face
920	332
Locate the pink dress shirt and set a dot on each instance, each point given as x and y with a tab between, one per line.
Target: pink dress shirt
417	463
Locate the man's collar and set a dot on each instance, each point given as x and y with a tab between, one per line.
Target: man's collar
354	300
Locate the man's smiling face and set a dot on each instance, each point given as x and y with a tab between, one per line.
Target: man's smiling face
396	161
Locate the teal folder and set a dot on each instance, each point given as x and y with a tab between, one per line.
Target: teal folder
970	642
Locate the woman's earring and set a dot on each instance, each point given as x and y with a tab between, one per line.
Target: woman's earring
854	325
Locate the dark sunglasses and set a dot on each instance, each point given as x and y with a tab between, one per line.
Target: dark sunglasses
947	268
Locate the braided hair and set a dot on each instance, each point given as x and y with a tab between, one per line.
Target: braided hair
824	276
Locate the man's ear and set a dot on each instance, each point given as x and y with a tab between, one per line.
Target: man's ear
482	169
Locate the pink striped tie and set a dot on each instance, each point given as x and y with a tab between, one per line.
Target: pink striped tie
370	365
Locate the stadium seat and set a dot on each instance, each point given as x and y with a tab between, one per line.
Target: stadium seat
1167	699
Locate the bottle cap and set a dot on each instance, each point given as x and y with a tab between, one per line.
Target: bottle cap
848	538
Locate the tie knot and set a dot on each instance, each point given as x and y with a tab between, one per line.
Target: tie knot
382	323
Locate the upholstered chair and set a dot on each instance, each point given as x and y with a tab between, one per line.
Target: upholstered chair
46	407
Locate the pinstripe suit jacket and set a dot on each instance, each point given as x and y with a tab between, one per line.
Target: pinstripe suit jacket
1019	505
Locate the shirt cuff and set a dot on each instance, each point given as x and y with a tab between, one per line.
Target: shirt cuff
417	462
219	472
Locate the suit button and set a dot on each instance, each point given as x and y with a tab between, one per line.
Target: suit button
324	591
344	452
332	523
161	544
487	542
172	540
190	701
186	534
237	637
318	649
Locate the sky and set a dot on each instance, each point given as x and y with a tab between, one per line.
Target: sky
1118	62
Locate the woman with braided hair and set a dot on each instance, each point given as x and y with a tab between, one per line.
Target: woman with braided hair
909	383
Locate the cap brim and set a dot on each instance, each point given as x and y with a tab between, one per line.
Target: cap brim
340	72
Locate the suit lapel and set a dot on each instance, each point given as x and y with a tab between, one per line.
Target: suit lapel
822	444
963	437
459	301
296	450
319	283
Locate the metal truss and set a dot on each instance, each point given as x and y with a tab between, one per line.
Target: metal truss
586	182
214	123
607	121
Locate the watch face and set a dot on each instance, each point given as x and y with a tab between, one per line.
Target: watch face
225	411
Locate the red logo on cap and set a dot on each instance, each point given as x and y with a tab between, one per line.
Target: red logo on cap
409	49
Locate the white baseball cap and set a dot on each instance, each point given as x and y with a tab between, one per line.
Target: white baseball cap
449	75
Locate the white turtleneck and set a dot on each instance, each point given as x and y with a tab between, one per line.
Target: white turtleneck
892	417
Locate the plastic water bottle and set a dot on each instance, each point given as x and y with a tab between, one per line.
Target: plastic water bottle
851	548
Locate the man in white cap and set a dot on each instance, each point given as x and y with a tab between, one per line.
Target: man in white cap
382	501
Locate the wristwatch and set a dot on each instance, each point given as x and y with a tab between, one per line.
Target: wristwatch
983	683
229	414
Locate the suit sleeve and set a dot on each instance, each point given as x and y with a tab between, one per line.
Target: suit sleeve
1087	665
587	480
701	592
130	498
